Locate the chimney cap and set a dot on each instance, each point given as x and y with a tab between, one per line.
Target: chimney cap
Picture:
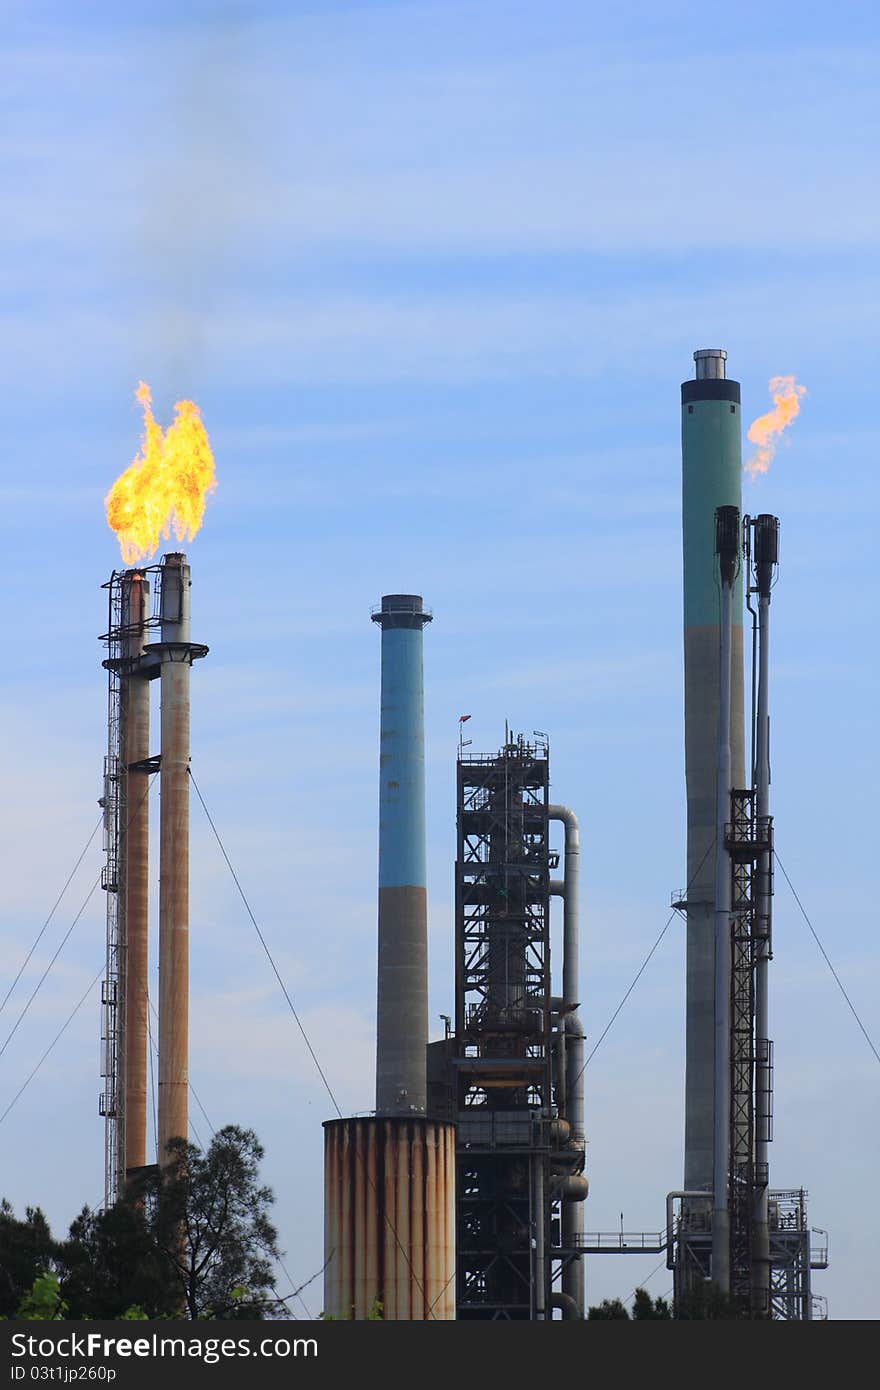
711	364
401	610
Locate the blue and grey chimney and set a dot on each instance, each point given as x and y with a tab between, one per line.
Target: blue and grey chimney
711	440
402	1016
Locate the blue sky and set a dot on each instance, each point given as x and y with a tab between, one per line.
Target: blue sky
434	273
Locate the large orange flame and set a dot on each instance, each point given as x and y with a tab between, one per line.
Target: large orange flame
765	431
166	485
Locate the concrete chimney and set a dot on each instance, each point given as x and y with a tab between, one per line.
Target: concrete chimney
176	654
711	436
402	1018
389	1178
135	852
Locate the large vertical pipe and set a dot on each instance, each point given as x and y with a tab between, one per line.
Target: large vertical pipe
402	996
766	554
135	706
711	477
539	1271
572	1212
727	547
176	653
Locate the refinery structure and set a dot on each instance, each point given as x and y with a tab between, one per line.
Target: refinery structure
464	1194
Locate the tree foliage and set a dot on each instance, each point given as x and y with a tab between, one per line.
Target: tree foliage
376	1313
646	1308
27	1251
706	1302
192	1242
111	1261
44	1302
609	1308
209	1216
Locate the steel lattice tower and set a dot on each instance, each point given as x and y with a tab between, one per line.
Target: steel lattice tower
503	1035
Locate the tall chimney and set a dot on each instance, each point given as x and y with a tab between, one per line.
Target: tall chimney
402	1015
176	654
711	478
135	847
727	547
389	1178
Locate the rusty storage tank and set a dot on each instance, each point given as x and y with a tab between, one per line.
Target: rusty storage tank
389	1218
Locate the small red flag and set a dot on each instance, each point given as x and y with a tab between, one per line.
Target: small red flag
463	717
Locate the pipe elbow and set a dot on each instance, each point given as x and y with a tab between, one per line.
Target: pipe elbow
568	1305
574	1188
573	1026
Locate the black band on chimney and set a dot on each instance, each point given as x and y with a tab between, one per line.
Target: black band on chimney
710	389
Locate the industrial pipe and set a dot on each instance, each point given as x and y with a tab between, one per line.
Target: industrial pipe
569	1305
711	477
402	993
727	548
670	1232
766	555
134	853
176	654
539	1275
573	1040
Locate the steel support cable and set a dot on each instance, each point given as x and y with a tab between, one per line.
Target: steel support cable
39	983
312	1053
635	981
70	1017
265	947
643	1282
297	1292
85	904
641	970
151	1048
55	906
840	984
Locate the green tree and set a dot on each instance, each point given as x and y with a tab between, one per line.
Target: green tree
112	1260
376	1313
44	1302
706	1302
645	1308
609	1308
195	1241
210	1219
27	1251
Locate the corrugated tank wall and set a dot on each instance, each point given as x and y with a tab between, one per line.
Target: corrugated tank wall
389	1218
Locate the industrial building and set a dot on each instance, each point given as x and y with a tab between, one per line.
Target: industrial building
462	1196
133	662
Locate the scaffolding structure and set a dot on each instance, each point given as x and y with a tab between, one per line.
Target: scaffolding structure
111	1104
119	664
795	1250
787	1295
748	837
510	1152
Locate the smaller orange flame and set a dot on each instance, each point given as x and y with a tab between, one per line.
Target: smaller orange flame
765	431
166	485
